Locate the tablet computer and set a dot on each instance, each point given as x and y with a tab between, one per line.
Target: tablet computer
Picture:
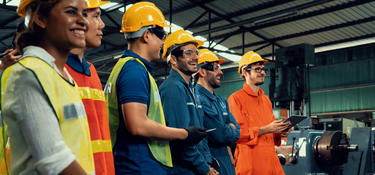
295	119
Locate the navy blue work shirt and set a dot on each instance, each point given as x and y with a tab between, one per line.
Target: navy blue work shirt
182	109
131	153
217	115
76	64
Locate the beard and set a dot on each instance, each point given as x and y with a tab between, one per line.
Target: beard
213	83
183	67
259	83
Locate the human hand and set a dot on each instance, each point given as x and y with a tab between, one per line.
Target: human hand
9	58
276	126
285	133
212	172
195	135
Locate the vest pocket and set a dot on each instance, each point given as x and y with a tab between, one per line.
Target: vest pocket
73	111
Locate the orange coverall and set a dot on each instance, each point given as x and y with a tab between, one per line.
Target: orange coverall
254	155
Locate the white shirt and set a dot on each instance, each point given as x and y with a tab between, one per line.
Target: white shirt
36	143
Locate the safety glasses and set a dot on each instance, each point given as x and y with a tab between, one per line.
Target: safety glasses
257	69
159	32
211	67
187	53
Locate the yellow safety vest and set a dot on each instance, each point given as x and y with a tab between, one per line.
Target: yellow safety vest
159	148
66	102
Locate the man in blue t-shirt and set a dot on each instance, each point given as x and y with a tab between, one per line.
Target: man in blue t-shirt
137	123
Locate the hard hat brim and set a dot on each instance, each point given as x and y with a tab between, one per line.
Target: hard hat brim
221	61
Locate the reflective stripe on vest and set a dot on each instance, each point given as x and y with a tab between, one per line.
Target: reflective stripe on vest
67	104
159	148
91	93
93	99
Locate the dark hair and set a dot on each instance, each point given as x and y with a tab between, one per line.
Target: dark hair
33	34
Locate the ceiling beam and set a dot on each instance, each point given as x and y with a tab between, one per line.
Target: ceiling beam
257	18
309	32
187	7
243	12
299	17
231	21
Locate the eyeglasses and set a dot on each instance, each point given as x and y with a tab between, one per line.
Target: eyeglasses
258	69
211	67
190	52
159	32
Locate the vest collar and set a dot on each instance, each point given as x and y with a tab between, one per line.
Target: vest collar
75	63
40	53
130	53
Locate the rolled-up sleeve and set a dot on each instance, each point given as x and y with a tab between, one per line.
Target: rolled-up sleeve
34	130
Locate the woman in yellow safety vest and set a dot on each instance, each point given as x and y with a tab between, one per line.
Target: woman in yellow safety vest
40	103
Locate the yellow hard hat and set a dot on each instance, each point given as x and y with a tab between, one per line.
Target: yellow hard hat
207	56
179	37
90	4
140	15
250	58
21	10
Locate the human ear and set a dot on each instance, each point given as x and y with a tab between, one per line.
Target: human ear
40	21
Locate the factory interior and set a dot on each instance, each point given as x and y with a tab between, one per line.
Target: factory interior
321	66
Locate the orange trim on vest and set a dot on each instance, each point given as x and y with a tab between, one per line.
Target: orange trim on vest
93	99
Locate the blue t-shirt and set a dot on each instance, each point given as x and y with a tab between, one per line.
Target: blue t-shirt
81	67
131	153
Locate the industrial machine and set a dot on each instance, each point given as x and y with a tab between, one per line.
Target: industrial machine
329	152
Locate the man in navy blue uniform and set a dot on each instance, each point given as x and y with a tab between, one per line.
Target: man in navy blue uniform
181	107
216	112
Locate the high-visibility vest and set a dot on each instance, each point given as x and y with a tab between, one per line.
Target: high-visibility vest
93	99
159	148
4	149
65	100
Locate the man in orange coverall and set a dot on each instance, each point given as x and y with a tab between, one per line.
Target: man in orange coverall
259	131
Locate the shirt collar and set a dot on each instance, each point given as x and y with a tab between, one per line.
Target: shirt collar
249	91
81	67
130	53
40	53
204	91
174	74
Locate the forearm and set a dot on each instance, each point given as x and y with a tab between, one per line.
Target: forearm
73	168
138	124
155	130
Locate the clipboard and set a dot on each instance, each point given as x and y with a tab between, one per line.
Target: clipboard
295	119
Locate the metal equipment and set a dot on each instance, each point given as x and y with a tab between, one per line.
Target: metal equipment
329	152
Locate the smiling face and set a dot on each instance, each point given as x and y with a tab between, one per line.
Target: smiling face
94	33
213	77
252	76
188	62
66	25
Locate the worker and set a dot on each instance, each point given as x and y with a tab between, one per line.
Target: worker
216	111
138	130
259	130
41	105
90	87
181	107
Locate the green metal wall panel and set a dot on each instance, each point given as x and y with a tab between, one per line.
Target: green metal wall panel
343	100
356	72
